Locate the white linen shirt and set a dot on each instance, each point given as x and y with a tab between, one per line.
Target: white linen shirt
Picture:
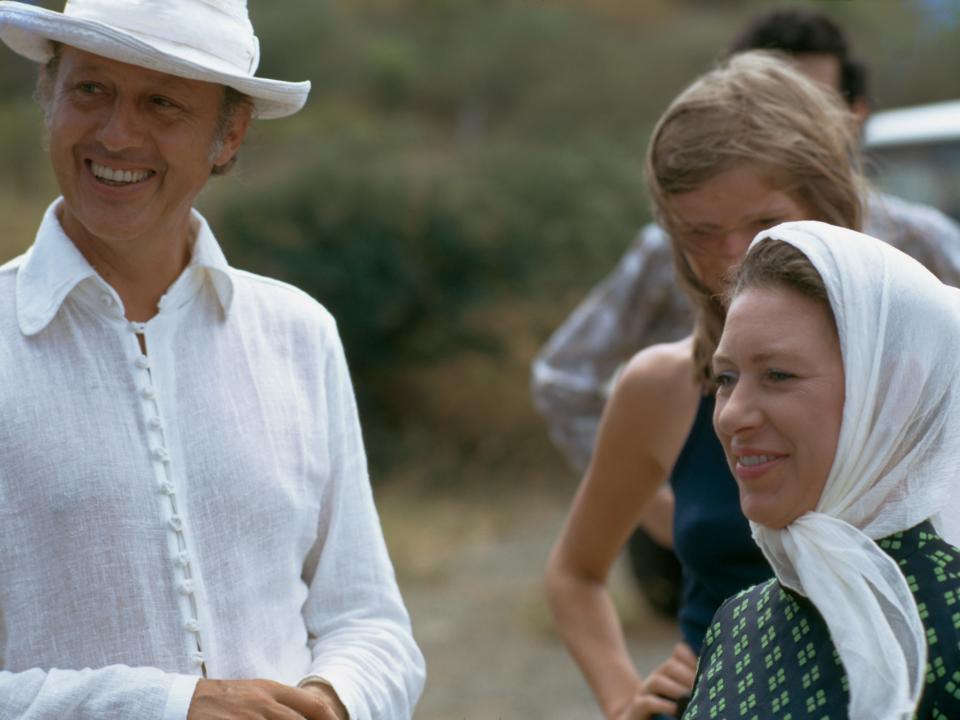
202	508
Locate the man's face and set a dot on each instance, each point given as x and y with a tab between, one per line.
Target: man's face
822	67
131	148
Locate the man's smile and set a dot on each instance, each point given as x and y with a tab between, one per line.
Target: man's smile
117	177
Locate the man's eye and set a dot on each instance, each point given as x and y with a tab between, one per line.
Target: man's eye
779	375
163	102
88	88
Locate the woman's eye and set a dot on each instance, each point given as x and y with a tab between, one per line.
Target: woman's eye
779	375
724	379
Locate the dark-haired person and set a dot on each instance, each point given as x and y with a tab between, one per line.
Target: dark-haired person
640	304
187	529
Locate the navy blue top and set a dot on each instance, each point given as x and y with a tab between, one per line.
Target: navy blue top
711	536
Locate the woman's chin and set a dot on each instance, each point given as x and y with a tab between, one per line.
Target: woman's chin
760	512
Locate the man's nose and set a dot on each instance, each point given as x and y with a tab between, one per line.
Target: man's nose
122	127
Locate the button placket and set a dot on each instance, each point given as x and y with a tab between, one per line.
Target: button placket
180	561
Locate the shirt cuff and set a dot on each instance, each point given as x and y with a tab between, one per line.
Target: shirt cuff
180	696
319	679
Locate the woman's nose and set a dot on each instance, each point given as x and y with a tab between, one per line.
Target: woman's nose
734	244
737	410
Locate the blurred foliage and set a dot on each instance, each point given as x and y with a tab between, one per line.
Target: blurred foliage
463	172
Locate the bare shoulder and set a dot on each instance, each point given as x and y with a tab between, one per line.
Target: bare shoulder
656	398
659	369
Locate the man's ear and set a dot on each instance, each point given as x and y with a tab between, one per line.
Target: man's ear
860	107
233	137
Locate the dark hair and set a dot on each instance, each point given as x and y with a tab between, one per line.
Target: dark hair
800	31
234	102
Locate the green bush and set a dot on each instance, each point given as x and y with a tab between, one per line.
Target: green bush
407	251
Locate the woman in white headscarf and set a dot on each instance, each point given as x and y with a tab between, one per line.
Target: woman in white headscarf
839	413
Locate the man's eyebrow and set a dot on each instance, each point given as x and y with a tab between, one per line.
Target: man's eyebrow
161	80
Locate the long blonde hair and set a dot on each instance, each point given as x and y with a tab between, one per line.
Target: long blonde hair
754	109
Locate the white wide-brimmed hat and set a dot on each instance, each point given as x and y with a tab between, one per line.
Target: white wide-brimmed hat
209	40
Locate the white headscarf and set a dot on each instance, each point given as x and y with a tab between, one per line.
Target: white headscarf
897	461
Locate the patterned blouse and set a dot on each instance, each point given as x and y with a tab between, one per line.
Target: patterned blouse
768	653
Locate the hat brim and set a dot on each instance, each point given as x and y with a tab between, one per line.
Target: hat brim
30	31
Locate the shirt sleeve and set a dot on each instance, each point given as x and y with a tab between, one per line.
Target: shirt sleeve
921	231
637	305
358	627
116	691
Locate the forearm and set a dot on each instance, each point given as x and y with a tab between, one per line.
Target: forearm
374	667
359	631
587	622
116	691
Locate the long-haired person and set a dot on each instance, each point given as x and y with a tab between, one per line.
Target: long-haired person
747	146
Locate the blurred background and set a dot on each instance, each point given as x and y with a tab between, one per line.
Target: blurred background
464	172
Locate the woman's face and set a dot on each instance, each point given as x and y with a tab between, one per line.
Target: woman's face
779	401
717	221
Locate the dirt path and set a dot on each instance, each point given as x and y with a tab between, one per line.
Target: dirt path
470	573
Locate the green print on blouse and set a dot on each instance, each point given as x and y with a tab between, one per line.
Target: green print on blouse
768	652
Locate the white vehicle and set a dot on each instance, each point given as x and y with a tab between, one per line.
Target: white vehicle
914	152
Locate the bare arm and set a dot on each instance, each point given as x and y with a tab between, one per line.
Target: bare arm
640	436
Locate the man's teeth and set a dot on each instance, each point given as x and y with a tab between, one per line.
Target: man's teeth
755	459
121	176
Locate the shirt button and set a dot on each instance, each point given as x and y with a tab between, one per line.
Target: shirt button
137	327
186	587
161	454
197	659
192	625
176	523
106	299
142	362
148	392
167	488
181	559
156	423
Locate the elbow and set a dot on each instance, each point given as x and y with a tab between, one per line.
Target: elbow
562	583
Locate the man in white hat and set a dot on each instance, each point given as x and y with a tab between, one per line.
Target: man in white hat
186	523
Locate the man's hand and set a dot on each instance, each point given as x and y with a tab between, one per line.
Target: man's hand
263	700
329	696
663	687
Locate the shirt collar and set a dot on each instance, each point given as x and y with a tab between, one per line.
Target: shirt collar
53	267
